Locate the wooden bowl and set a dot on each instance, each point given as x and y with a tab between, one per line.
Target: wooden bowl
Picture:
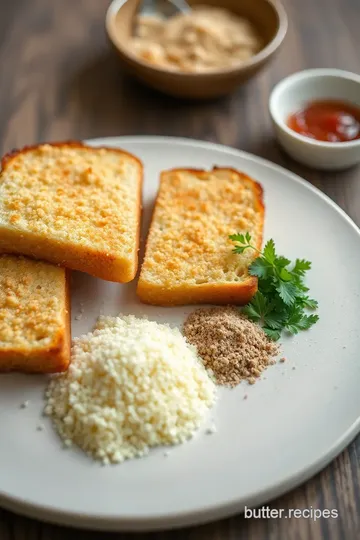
268	16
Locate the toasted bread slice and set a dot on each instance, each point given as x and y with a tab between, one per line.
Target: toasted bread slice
189	258
73	205
34	316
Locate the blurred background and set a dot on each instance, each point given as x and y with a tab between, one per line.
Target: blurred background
61	79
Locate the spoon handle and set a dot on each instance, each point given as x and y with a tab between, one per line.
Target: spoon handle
165	8
147	7
181	5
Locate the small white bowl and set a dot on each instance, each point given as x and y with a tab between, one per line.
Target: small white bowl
292	94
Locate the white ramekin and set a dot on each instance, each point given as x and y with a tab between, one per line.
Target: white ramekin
292	93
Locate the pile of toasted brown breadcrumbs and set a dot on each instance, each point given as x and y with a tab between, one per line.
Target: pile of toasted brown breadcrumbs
230	345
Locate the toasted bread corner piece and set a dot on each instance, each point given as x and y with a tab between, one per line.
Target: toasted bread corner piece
35	332
189	257
74	205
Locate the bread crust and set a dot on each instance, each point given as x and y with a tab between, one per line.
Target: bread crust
100	264
74	144
206	293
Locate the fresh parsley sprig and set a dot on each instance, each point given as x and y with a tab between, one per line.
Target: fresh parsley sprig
281	301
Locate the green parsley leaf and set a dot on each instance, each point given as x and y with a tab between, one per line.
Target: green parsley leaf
292	329
269	251
275	320
240	249
260	303
285	275
281	262
252	313
301	266
309	303
287	292
272	334
300	285
307	321
244	241
281	301
238	238
304	322
260	268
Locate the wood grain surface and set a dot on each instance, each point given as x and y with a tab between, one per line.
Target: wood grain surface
59	79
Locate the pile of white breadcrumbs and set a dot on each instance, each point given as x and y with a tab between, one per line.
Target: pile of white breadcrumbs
132	384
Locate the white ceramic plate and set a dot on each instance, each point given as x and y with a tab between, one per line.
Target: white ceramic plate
297	418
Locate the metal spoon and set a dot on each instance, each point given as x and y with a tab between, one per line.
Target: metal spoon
161	8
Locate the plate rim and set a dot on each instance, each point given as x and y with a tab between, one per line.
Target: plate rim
215	511
194	518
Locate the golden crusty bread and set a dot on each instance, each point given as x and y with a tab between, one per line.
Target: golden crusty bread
189	257
73	205
34	316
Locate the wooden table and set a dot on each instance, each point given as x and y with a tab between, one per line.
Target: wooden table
59	80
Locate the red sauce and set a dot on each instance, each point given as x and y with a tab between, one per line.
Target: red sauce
327	120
